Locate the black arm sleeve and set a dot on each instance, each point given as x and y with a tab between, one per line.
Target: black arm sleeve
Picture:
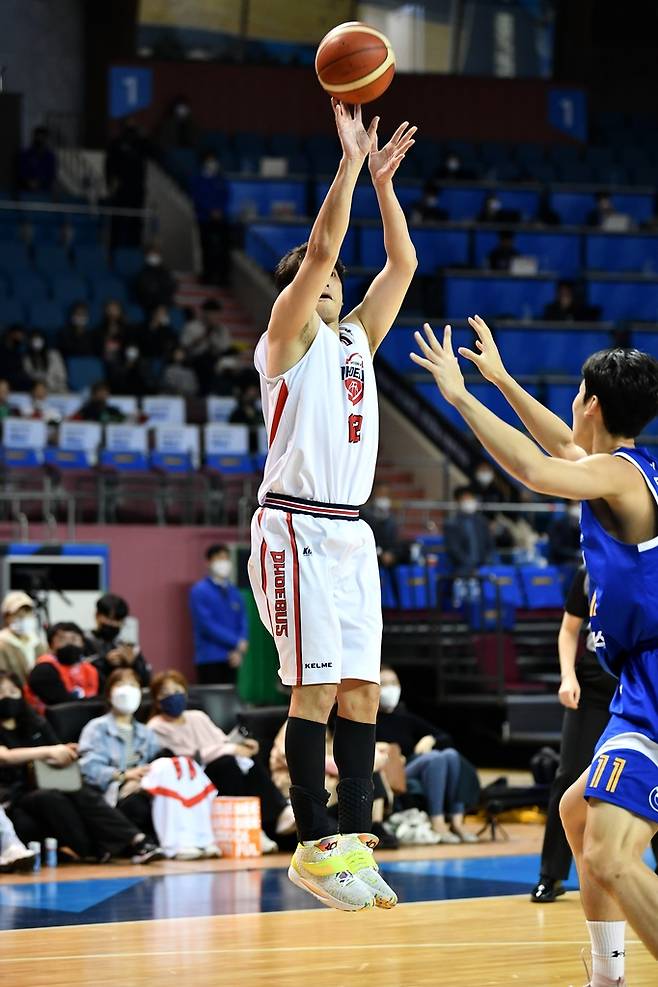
577	603
423	728
47	684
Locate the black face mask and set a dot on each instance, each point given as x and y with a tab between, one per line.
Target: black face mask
69	654
11	708
107	632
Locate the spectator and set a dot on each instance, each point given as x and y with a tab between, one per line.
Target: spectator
469	544
7	409
12	353
114	323
191	733
603	209
98	407
205	337
43	363
81	820
125	176
492	212
564	536
75	339
111	644
61	675
178	377
453	169
178	128
210	196
248	412
116	751
485	483
390	549
14	855
37	166
502	255
427	209
431	761
230	377
564	307
20	640
219	620
130	373
546	215
154	284
156	338
39	406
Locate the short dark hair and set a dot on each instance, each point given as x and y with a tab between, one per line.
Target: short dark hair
112	606
625	381
118	675
460	492
290	263
213	550
64	626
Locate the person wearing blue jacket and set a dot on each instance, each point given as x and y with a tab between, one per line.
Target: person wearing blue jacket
219	619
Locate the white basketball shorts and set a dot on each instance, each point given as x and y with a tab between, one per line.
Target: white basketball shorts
315	578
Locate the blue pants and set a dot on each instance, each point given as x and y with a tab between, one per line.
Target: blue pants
438	773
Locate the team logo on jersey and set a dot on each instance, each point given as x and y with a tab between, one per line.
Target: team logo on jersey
653	799
354	377
280	601
345	337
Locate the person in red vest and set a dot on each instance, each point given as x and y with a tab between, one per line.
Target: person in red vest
63	675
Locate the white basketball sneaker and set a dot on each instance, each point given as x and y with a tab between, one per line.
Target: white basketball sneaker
357	849
321	869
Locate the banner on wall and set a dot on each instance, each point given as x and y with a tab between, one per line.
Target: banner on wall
567	112
130	89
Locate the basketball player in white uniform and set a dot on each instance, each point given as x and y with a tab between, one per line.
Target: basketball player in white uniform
313	565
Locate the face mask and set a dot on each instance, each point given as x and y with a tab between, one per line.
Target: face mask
163	320
382	505
494	205
69	654
182	110
132	354
107	632
153	259
174	705
574	512
484	478
431	200
221	569
468	506
452	164
11	707
80	321
37	344
389	697
210	168
24	626
126	699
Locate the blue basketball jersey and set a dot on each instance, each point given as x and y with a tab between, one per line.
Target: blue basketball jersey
624	607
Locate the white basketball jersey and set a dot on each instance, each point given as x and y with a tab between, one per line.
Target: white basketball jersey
322	420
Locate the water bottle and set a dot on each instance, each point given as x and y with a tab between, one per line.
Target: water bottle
51	851
35	847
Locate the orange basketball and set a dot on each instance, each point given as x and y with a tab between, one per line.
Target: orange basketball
355	63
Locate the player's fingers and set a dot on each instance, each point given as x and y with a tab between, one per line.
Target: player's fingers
469	354
447	341
372	129
357	112
425	364
398	133
479	345
433	341
427	350
403	147
481	328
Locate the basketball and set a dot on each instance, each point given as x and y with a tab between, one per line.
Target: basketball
355	63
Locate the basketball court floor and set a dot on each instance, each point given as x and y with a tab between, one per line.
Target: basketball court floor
464	919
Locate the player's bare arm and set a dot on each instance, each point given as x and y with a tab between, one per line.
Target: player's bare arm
294	321
382	302
595	477
553	435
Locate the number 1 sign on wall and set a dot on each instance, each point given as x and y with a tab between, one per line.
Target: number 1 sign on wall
567	112
130	89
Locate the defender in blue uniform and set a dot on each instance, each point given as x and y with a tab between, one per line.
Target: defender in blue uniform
597	463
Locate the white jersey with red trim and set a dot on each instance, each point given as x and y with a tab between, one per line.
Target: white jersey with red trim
322	420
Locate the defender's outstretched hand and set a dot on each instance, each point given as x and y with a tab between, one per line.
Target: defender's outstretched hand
356	141
441	363
488	360
385	162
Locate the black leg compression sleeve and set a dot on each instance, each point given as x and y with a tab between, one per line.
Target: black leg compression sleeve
354	754
355	805
305	754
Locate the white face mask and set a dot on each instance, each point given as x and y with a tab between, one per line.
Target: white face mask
221	569
468	506
389	697
132	353
126	698
24	626
37	344
153	259
484	477
382	505
211	168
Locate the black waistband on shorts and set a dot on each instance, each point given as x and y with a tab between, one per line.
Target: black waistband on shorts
297	505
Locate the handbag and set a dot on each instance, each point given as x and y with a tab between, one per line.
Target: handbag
68	779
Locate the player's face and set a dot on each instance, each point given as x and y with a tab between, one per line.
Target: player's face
582	426
331	300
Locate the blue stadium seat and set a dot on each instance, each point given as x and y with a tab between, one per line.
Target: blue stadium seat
525	201
611	174
621	252
67	289
284	145
135	314
84	371
559	398
14	256
624	299
415	589
463	203
573	207
262	196
266	243
554	351
128	261
84	227
182	162
493	399
646	341
90	259
576	171
105	286
364	201
542	587
496	295
51	260
29	287
505	577
11	310
434	248
542	171
559	252
396	347
47	316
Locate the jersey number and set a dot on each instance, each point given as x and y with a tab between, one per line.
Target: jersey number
618	766
354	423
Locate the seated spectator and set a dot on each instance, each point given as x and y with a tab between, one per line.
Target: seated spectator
391	551
178	127
61	675
603	209
209	193
12	353
430	760
154	285
564	307
130	373
219	620
14	855
502	255
206	337
83	823
44	364
178	377
564	536
427	209
114	324
230	377
37	165
109	646
493	212
99	407
248	412
155	338
546	215
111	338
453	169
76	339
40	407
231	766
20	638
7	409
468	542
485	483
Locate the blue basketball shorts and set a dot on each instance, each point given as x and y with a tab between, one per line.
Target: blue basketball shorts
625	772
